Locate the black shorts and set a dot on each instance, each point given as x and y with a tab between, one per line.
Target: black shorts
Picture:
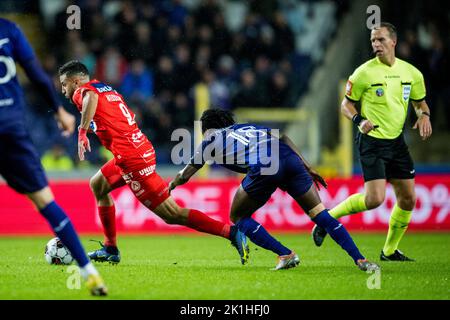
385	158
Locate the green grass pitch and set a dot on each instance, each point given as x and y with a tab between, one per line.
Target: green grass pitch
206	267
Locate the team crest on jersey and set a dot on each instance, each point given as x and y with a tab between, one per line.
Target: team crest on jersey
406	92
379	92
93	126
135	186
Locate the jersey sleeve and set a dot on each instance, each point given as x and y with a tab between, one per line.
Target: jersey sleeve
418	91
22	51
355	86
78	95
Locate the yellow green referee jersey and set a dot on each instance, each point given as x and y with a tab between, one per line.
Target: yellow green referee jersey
384	92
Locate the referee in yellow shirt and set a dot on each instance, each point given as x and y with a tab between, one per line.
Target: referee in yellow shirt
384	85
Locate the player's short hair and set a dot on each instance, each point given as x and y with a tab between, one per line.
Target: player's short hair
390	27
73	67
216	119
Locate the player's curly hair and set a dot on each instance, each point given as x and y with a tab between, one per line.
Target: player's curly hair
216	119
73	67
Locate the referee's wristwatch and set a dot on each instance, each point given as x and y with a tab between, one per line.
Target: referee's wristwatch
357	119
425	113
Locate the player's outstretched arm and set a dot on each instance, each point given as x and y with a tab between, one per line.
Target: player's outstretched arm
89	107
423	119
183	176
34	71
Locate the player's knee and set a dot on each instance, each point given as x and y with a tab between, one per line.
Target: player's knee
96	186
374	200
407	202
93	184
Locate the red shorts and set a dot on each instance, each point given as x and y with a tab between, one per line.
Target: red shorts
150	189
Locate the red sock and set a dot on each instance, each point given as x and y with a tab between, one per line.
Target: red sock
108	219
201	222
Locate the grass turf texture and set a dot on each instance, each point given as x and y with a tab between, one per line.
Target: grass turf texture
206	267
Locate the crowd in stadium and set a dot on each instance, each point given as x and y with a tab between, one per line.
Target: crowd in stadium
156	52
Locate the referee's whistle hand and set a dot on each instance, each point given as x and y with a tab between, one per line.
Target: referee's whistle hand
366	126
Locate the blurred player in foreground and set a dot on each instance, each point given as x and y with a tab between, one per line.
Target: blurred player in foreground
19	162
244	148
103	111
384	85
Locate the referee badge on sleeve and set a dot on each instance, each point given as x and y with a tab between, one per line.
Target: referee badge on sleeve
348	88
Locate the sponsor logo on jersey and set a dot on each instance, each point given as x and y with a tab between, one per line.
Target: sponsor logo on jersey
148	153
147	171
101	87
379	92
127	177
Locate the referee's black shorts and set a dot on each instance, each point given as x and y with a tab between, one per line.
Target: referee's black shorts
385	158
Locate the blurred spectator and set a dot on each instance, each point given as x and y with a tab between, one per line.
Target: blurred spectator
137	84
248	94
141	47
56	159
206	11
222	37
279	91
185	71
219	95
183	110
79	51
283	35
165	77
177	13
111	67
226	72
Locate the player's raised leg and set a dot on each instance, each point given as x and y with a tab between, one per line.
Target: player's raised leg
242	207
108	178
358	202
156	197
63	228
399	220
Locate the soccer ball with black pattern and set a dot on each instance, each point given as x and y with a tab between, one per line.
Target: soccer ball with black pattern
57	253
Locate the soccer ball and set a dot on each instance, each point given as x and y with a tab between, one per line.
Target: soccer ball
57	253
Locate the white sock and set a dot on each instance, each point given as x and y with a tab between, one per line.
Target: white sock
88	270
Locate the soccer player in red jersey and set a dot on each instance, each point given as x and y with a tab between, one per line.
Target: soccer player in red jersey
104	112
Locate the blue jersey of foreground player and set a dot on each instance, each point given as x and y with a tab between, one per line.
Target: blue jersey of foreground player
267	161
14	48
19	164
